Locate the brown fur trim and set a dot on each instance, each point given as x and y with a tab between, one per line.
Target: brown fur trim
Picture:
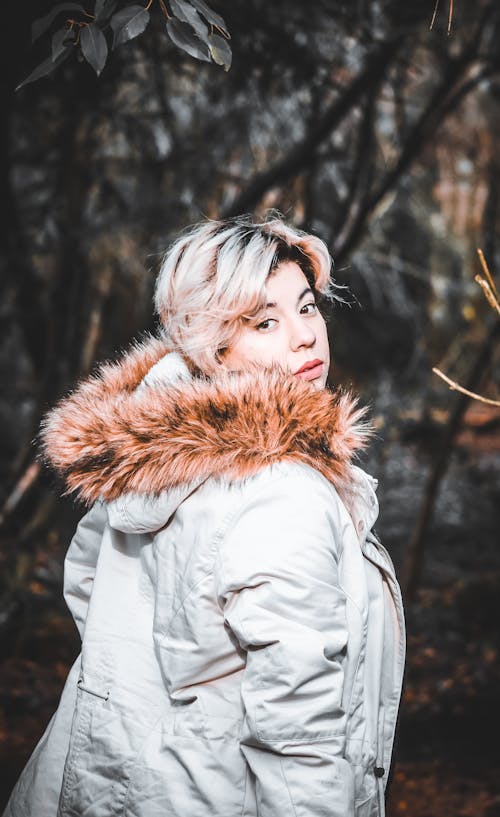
105	439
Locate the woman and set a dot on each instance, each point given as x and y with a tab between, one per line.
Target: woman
242	628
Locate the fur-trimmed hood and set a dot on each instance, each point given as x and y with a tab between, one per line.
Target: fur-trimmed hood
110	437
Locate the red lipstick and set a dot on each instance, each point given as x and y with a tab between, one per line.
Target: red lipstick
310	370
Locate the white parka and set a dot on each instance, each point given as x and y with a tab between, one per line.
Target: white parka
242	628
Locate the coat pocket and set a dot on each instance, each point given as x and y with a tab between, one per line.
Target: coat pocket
189	766
107	734
79	730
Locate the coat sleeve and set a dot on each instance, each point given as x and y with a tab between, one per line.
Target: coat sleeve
81	560
280	593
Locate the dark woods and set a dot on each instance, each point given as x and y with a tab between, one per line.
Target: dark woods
359	123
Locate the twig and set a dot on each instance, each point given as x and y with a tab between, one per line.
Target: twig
450	16
416	546
434	15
488	293
91	340
21	488
487	284
486	271
457	387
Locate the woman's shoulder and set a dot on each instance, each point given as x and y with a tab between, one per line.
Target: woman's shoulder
289	492
297	478
285	490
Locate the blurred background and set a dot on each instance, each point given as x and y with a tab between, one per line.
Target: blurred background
372	123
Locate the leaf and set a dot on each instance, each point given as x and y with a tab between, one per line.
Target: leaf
45	68
61	40
94	47
184	37
128	23
209	15
41	25
104	9
185	12
220	51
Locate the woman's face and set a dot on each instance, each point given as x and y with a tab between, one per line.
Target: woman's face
290	330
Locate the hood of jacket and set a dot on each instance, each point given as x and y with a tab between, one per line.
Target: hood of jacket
147	425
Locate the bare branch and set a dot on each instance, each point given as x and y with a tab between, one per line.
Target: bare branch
434	15
488	293
456	387
303	154
20	490
487	272
441	103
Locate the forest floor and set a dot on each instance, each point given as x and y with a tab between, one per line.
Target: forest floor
447	751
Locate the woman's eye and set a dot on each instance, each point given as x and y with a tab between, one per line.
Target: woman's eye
266	324
309	308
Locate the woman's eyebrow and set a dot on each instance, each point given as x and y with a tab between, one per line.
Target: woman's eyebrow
306	291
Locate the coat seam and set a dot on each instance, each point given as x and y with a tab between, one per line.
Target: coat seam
165	632
287	786
286	739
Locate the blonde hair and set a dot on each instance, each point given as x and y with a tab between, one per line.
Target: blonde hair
213	277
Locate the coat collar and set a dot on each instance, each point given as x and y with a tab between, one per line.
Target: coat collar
110	437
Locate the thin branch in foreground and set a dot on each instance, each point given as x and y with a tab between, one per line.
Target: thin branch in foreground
457	387
434	15
486	271
488	293
487	284
450	16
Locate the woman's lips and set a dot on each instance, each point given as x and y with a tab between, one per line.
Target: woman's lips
311	373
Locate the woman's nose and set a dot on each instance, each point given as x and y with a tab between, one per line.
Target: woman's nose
302	335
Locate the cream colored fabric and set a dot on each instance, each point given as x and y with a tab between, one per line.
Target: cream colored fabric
242	656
